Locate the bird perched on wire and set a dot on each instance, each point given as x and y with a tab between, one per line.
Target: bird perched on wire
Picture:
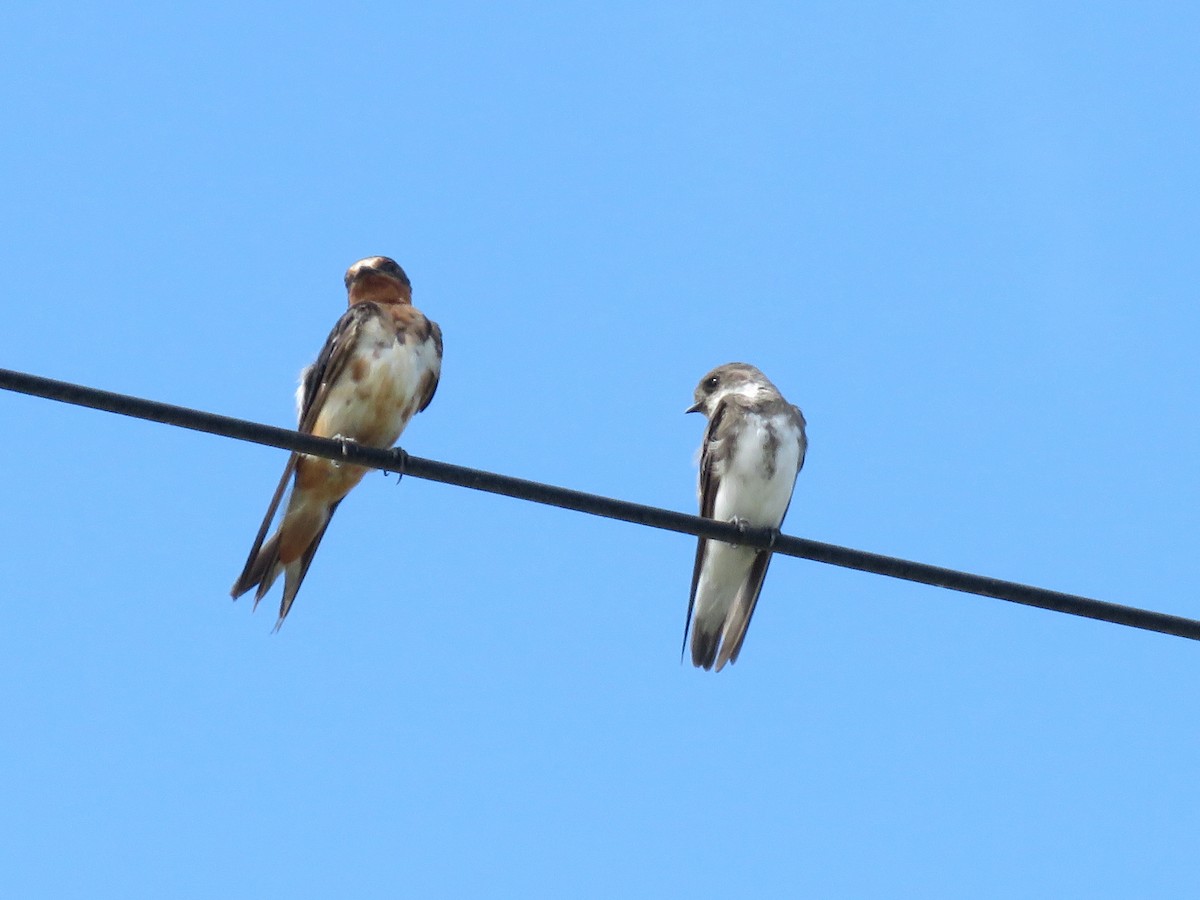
753	450
379	367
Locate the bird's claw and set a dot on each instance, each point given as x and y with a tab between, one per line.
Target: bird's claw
742	526
346	444
401	457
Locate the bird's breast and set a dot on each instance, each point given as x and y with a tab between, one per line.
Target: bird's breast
376	393
759	472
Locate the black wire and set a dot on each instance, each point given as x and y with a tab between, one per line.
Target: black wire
396	460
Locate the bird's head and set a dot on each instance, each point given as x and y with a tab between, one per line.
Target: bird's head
378	279
731	378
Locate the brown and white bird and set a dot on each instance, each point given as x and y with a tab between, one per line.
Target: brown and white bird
379	367
752	452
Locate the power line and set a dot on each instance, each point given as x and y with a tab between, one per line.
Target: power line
396	460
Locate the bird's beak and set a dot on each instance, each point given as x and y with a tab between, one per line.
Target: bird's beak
695	407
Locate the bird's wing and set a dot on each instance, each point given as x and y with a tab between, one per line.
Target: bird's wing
738	620
412	324
710	483
314	388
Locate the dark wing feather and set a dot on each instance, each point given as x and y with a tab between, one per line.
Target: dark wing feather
803	442
709	484
436	333
731	642
257	569
331	361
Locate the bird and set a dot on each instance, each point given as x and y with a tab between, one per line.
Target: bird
753	449
379	367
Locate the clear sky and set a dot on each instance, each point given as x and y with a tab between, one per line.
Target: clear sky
962	237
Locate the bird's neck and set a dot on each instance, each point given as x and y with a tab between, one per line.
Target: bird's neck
379	290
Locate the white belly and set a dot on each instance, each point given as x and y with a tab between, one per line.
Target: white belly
751	488
376	394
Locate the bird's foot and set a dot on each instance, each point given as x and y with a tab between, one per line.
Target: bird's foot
401	458
745	528
742	525
346	444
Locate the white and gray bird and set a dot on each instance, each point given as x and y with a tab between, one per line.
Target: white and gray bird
753	450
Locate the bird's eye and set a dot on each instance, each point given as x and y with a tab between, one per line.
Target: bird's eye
712	383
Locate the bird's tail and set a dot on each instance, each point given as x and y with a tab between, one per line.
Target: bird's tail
714	644
704	644
260	572
737	620
289	552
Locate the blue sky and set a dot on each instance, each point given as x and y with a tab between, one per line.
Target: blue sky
961	237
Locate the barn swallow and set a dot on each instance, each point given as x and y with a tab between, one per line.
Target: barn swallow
379	367
753	450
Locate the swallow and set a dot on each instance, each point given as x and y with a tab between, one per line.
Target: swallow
753	450
379	367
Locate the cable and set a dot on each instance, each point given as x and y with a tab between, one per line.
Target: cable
396	460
